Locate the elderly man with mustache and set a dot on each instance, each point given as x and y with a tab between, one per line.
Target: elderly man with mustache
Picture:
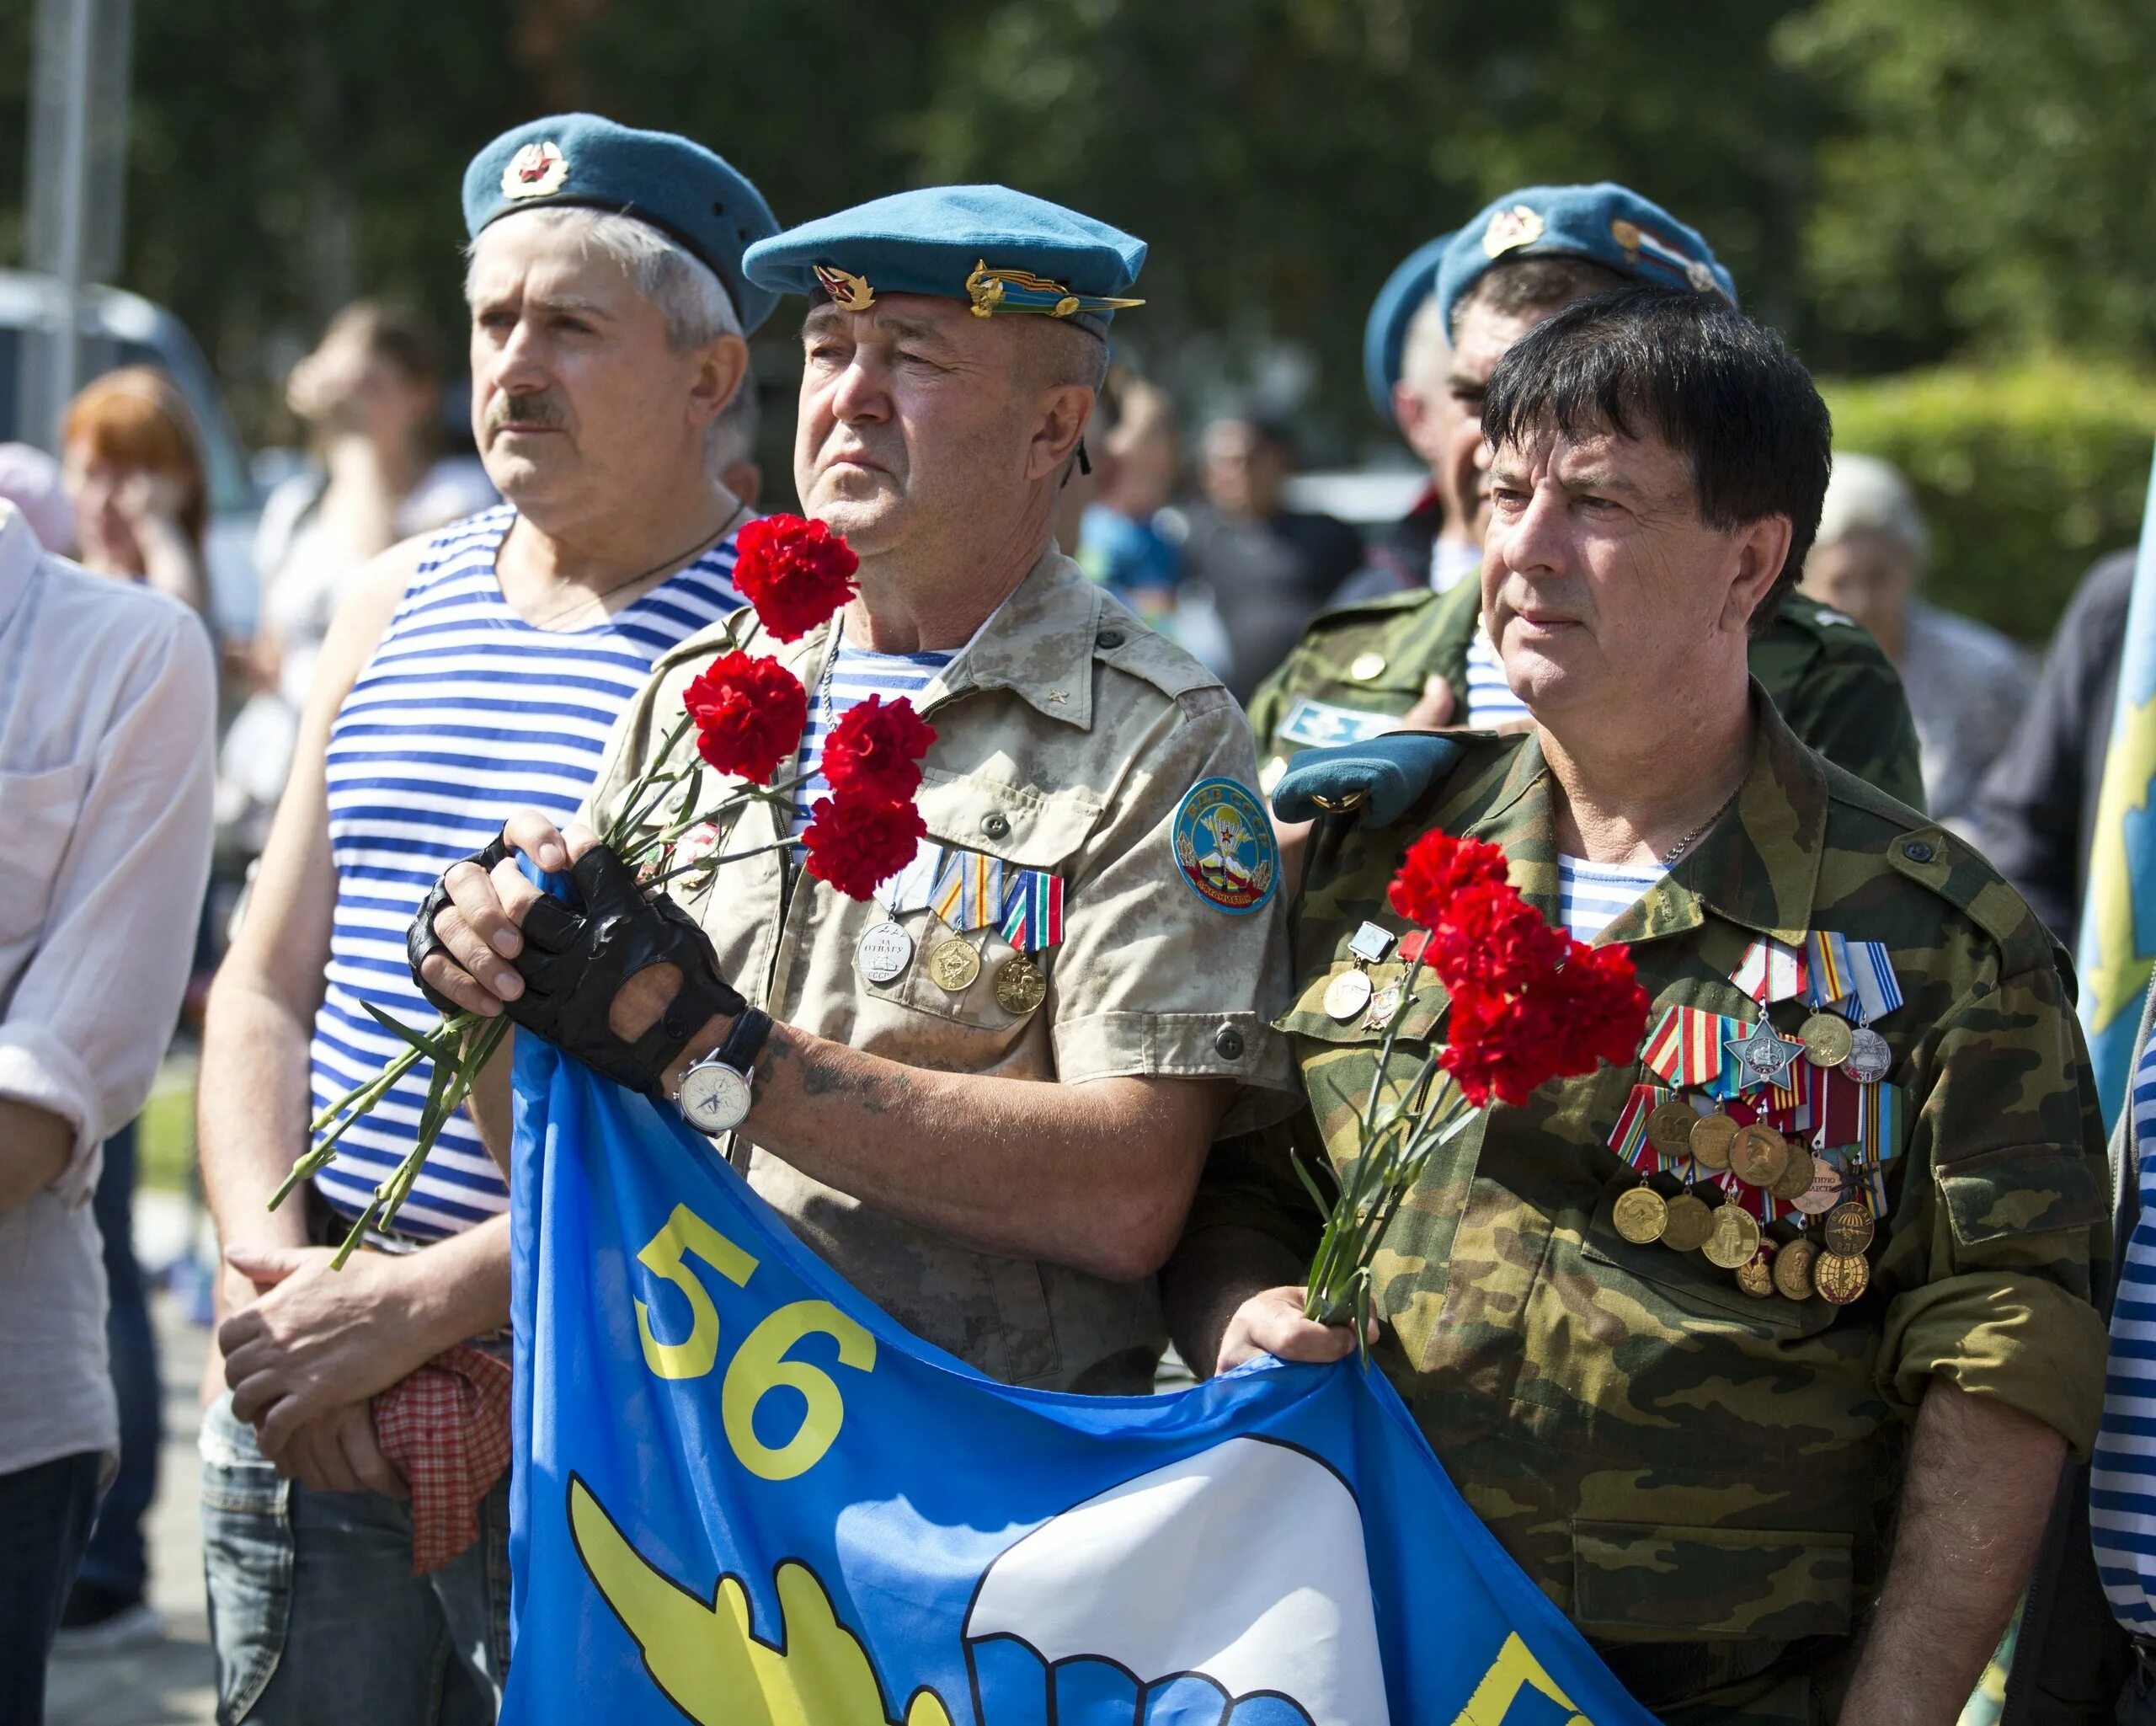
468	674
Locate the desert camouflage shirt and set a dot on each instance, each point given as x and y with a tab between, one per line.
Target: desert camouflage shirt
1831	681
1068	734
1702	1478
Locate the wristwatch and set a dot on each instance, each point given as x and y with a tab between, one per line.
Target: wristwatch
714	1093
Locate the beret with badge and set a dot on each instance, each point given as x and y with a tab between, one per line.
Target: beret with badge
692	196
1384	335
999	250
1605	223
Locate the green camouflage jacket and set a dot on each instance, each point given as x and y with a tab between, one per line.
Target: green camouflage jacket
1677	1463
1829	678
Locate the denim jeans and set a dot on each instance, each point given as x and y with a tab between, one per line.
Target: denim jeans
116	1558
314	1613
44	1519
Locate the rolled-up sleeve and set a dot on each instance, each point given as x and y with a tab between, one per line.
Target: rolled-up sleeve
1989	1262
93	1007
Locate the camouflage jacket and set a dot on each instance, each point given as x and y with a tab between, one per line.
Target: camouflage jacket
1830	680
1676	1462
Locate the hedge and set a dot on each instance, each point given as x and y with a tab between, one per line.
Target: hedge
2027	473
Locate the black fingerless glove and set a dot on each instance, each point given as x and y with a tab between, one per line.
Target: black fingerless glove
419	936
575	961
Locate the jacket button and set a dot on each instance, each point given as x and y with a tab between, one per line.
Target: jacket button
1917	852
1366	665
997	826
1108	638
1229	1042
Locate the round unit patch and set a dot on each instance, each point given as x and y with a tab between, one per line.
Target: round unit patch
1224	847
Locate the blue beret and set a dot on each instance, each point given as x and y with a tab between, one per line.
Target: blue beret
1000	250
1607	224
693	196
1384	336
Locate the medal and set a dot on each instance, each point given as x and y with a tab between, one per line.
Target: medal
1669	1128
1793	1269
1710	1138
1347	994
1847	1231
1758	1155
1764	1054
1869	1056
1824	1192
1370	943
1383	1006
1796	1177
884	953
1826	1040
1641	1215
1756	1275
1019	987
1840	1277
1688	1224
953	965
1734	1236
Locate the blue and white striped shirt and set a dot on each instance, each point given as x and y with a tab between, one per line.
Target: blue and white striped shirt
1490	698
2122	1476
1591	897
856	675
465	714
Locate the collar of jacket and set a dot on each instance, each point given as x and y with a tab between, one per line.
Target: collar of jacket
1039	644
1760	870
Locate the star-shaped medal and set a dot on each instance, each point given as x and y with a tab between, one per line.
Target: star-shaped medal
1764	1053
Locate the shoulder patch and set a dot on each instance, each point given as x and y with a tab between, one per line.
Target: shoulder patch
1223	846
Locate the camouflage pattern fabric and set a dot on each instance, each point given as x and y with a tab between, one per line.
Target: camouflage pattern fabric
1830	680
1703	1479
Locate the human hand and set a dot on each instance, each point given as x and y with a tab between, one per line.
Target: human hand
472	924
1433	708
149	502
1272	1322
308	1339
336	1452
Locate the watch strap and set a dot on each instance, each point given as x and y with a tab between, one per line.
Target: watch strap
696	1003
745	1041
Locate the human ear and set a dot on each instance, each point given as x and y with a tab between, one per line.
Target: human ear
1062	415
722	367
1762	548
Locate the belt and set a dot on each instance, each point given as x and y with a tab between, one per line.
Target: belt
1663	1674
327	1226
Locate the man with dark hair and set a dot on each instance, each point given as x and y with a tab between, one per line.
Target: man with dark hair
1698	1422
1423	657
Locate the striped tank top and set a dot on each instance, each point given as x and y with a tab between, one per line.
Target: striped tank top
2122	1474
855	673
465	715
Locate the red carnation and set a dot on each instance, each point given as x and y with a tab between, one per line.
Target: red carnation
857	843
749	715
1437	867
874	751
795	573
1489	937
1557	1025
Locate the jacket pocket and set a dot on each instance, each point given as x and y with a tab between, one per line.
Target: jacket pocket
1645	1582
2017	1189
37	819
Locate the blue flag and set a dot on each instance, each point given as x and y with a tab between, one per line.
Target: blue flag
744	1496
2118	915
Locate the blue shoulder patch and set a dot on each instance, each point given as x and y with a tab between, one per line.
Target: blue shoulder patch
1225	847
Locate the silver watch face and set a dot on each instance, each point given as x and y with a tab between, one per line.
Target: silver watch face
714	1097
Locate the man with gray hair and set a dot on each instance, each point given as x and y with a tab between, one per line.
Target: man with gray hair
1968	685
354	1508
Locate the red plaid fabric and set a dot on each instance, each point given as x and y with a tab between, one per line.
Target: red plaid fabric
446	1428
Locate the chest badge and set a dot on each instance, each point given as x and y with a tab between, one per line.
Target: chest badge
1224	846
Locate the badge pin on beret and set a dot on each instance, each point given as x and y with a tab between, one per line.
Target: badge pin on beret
1510	229
849	292
536	171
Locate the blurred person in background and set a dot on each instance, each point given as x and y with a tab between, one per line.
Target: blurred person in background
1135	461
1265	567
1968	685
2035	813
108	705
31	481
132	464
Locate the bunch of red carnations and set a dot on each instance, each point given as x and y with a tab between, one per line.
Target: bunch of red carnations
748	714
1529	1004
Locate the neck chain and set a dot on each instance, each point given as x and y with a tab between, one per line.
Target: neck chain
702	545
1669	857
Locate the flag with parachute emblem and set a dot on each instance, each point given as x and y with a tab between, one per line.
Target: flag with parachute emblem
744	1496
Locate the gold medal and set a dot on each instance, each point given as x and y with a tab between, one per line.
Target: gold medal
1793	1269
1840	1277
1641	1215
1687	1224
1347	994
1847	1230
1756	1275
1826	1038
1758	1155
1824	1192
1669	1128
1019	987
1795	1177
1734	1238
953	965
1710	1138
